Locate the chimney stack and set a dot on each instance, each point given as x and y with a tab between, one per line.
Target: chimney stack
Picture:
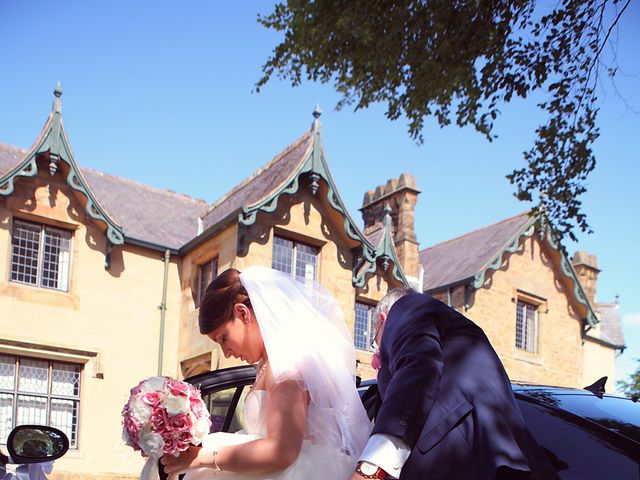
401	195
586	267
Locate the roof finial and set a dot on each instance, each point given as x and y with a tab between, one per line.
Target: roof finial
387	215
315	126
57	103
317	112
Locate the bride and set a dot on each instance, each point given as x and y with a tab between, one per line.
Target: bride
303	415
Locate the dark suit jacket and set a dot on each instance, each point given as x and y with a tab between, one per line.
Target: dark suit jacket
445	392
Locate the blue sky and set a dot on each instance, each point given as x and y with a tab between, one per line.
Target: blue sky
162	92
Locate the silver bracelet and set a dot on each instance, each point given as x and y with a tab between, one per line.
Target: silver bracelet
216	468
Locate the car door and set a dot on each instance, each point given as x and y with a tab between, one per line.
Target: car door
577	447
224	392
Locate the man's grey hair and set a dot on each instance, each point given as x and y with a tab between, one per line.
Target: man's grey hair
392	296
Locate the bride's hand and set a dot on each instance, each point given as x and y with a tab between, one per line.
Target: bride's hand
174	466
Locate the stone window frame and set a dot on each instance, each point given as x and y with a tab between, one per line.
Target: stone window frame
67	234
296	241
368	334
202	283
538	305
13	393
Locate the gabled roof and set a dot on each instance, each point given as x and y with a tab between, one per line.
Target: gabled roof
261	192
148	215
261	184
154	218
130	211
53	145
460	259
469	258
385	252
610	324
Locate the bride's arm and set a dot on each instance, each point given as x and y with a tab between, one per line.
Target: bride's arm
286	425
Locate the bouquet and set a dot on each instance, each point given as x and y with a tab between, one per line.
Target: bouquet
163	416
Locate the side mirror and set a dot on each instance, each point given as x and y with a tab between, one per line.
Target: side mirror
36	443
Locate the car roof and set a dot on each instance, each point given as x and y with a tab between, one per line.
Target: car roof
528	388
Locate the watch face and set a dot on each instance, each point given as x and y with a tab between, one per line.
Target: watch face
368	468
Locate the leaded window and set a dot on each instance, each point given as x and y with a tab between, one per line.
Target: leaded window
295	258
40	255
526	326
363	330
207	272
40	392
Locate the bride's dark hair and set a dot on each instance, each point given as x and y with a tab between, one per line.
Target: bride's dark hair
221	295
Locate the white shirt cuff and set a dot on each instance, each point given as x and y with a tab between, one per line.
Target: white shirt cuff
387	452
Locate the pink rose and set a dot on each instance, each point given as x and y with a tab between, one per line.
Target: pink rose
150	398
159	418
183	441
170	443
197	407
178	388
180	423
132	428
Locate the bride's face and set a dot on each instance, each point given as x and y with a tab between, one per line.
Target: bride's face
240	337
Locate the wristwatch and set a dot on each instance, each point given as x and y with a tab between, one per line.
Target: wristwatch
369	470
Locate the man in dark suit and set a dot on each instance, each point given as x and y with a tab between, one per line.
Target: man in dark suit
446	408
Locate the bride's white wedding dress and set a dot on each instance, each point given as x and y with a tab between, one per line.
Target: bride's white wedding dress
320	457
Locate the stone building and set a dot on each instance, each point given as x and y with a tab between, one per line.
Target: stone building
103	279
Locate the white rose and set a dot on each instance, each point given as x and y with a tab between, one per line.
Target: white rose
200	430
141	411
151	443
176	405
153	384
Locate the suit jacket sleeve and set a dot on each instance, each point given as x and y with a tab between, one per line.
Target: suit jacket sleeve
414	359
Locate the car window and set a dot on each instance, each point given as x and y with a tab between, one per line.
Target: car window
578	449
227	408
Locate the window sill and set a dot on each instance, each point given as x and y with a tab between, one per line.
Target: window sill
42	296
529	357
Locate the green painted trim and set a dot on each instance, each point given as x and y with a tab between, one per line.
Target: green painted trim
604	342
153	246
315	165
565	265
457	283
568	271
386	250
209	232
359	279
53	140
510	248
26	168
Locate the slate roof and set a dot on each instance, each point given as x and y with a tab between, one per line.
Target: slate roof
610	324
463	257
374	235
148	214
262	183
9	157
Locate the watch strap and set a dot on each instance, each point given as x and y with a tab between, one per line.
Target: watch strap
379	474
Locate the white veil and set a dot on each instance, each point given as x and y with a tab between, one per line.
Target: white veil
306	340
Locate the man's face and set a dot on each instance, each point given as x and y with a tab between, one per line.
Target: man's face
378	328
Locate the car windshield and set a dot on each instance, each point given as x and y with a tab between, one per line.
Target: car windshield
615	413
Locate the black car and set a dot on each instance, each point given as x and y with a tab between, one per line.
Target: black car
585	434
